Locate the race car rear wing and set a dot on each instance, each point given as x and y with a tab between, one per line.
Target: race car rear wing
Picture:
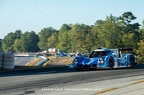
126	50
119	52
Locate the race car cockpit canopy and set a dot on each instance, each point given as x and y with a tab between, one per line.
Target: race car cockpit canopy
99	52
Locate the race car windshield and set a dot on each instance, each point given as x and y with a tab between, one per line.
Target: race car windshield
98	54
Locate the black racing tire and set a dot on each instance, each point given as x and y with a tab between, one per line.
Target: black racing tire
111	63
94	67
132	61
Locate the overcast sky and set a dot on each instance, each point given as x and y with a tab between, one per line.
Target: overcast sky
28	15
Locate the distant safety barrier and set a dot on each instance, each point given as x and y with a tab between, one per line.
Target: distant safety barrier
7	60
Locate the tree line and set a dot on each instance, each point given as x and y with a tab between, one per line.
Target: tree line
113	32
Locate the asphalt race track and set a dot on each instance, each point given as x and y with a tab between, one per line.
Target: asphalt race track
64	81
23	60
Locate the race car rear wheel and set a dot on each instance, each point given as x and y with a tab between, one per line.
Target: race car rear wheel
132	61
110	63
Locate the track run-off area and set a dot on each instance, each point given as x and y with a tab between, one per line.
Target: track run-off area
60	80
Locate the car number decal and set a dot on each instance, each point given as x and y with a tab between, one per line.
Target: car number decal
122	61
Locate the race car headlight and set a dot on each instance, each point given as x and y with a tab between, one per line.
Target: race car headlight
100	60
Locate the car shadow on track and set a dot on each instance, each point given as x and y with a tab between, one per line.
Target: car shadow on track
54	70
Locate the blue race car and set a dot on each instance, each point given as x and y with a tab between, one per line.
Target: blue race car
104	58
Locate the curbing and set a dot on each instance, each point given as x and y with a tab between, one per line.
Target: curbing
42	62
29	62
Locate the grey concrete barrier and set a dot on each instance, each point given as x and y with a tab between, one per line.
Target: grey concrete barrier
1	60
7	60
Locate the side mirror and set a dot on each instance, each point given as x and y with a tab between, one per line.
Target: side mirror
113	54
